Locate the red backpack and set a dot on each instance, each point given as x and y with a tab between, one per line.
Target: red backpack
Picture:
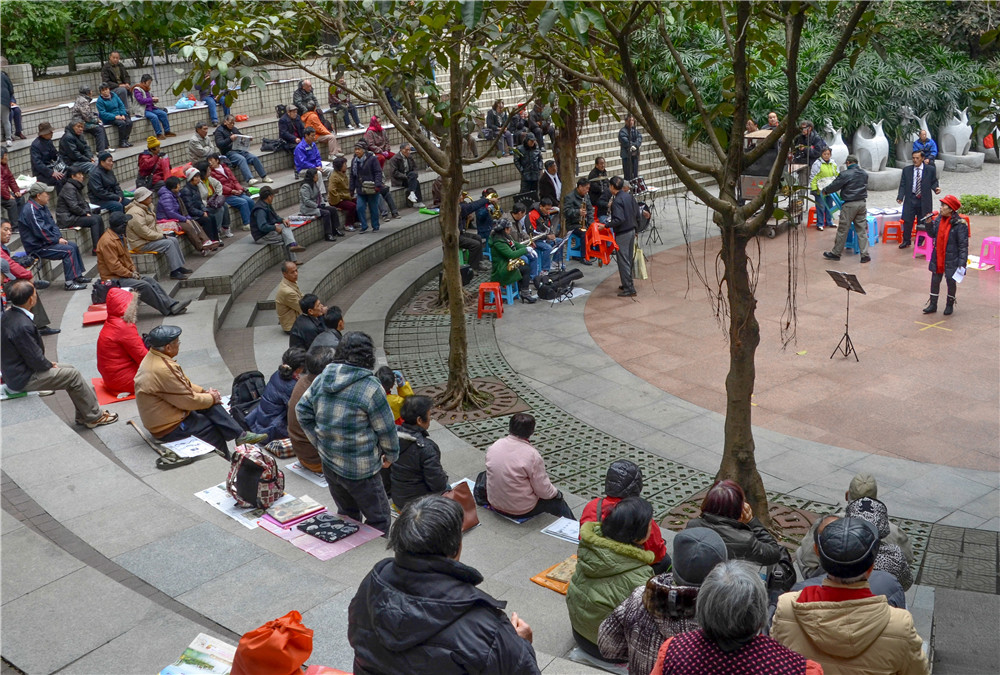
254	478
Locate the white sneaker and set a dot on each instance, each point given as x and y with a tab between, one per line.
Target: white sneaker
412	197
227	234
252	181
420	205
267	179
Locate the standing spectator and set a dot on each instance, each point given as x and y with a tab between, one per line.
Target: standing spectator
25	368
772	121
84	109
731	611
377	142
307	154
170	207
112	111
45	162
157	116
528	162
600	195
915	186
41	237
841	623
172	407
418	471
291	130
73	207
114	73
115	263
347	418
853	187
823	169
241	158
340	100
541	126
10	193
317	359
550	185
624	212
611	563
629	142
366	184
6	97
215	201
951	251
194	204
73	147
308	324
267	227
339	193
143	234
664	606
103	184
205	89
516	482
270	417
452	627
13	270
725	510
303	97
333	333
154	167
312	202
927	146
200	146
119	348
286	300
313	118
403	172
889	557
234	193
496	120
808	145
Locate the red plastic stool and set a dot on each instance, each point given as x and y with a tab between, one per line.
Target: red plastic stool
892	231
812	216
492	306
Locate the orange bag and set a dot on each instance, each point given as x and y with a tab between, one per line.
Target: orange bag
242	118
279	647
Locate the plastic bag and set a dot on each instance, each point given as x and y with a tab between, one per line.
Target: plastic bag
183	103
279	647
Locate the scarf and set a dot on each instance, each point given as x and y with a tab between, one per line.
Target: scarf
374	124
941	244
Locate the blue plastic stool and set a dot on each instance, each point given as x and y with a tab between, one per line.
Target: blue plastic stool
575	248
872	231
852	240
488	253
509	292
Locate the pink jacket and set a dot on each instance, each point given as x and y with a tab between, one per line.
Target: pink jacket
515	476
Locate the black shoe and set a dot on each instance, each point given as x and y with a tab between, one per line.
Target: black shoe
527	298
627	294
830	256
41	283
931	305
124	144
950	307
73	286
186	270
330	237
905	244
82	280
584	261
179	307
866	258
55	331
177	275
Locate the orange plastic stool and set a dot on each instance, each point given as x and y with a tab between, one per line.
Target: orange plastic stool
492	306
600	243
812	216
892	231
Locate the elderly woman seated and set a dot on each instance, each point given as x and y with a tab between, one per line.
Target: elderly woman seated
725	510
120	350
270	417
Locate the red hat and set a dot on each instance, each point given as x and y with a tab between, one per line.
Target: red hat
952	202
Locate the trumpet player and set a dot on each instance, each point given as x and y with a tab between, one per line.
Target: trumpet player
578	212
509	266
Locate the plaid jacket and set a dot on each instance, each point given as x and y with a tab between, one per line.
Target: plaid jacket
347	418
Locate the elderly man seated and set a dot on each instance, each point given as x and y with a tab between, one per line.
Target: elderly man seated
42	238
172	407
286	300
240	158
143	234
517	484
402	169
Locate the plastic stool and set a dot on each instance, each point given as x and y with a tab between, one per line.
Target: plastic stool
488	253
872	231
493	305
892	231
575	246
463	256
509	292
989	252
812	216
852	240
924	245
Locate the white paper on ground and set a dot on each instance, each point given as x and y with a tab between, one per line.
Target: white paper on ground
467	481
190	447
217	497
206	655
567	529
576	293
297	468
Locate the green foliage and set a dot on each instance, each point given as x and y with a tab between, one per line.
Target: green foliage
136	25
33	32
980	205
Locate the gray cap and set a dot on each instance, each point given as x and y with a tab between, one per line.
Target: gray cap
696	552
847	547
862	485
161	336
142	194
851	159
38	187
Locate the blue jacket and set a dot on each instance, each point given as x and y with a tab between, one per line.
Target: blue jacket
37	227
929	148
167	206
271	414
108	108
307	156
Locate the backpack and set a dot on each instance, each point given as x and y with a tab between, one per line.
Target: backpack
254	478
99	291
558	284
280	110
248	387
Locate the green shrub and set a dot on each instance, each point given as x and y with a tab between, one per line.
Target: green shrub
983	205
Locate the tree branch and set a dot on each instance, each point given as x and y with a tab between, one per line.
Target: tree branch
725	30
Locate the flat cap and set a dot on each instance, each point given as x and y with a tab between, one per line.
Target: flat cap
161	336
847	547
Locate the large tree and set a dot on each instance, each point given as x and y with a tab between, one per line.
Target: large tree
595	42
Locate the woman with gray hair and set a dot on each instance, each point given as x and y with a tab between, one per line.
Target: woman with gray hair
731	611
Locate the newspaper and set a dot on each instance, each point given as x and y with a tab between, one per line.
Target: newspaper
566	529
297	468
205	656
219	498
190	447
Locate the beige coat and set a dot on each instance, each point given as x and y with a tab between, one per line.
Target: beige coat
852	636
142	229
164	394
286	303
339	189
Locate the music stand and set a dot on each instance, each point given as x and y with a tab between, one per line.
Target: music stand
648	198
849	282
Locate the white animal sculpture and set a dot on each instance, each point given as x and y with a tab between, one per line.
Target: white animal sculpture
834	139
871	147
955	136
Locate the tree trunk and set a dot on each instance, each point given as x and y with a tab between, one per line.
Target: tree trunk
70	48
738	461
567	137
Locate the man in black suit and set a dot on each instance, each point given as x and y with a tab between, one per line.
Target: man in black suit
25	368
915	186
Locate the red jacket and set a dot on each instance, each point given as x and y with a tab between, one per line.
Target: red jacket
228	179
157	165
654	543
16	269
8	186
119	347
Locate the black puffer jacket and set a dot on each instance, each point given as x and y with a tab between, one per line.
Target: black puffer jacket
424	614
624	479
956	252
417	471
73	149
72	205
529	161
852	184
103	185
745	541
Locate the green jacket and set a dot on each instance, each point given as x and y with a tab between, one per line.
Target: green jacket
502	251
607	571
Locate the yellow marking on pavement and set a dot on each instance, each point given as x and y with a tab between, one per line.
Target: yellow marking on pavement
931	325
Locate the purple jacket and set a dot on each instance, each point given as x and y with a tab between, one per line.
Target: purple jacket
167	207
144	97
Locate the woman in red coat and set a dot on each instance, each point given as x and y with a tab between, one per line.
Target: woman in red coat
119	347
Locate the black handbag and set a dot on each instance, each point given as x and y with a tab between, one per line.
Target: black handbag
270	145
479	491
